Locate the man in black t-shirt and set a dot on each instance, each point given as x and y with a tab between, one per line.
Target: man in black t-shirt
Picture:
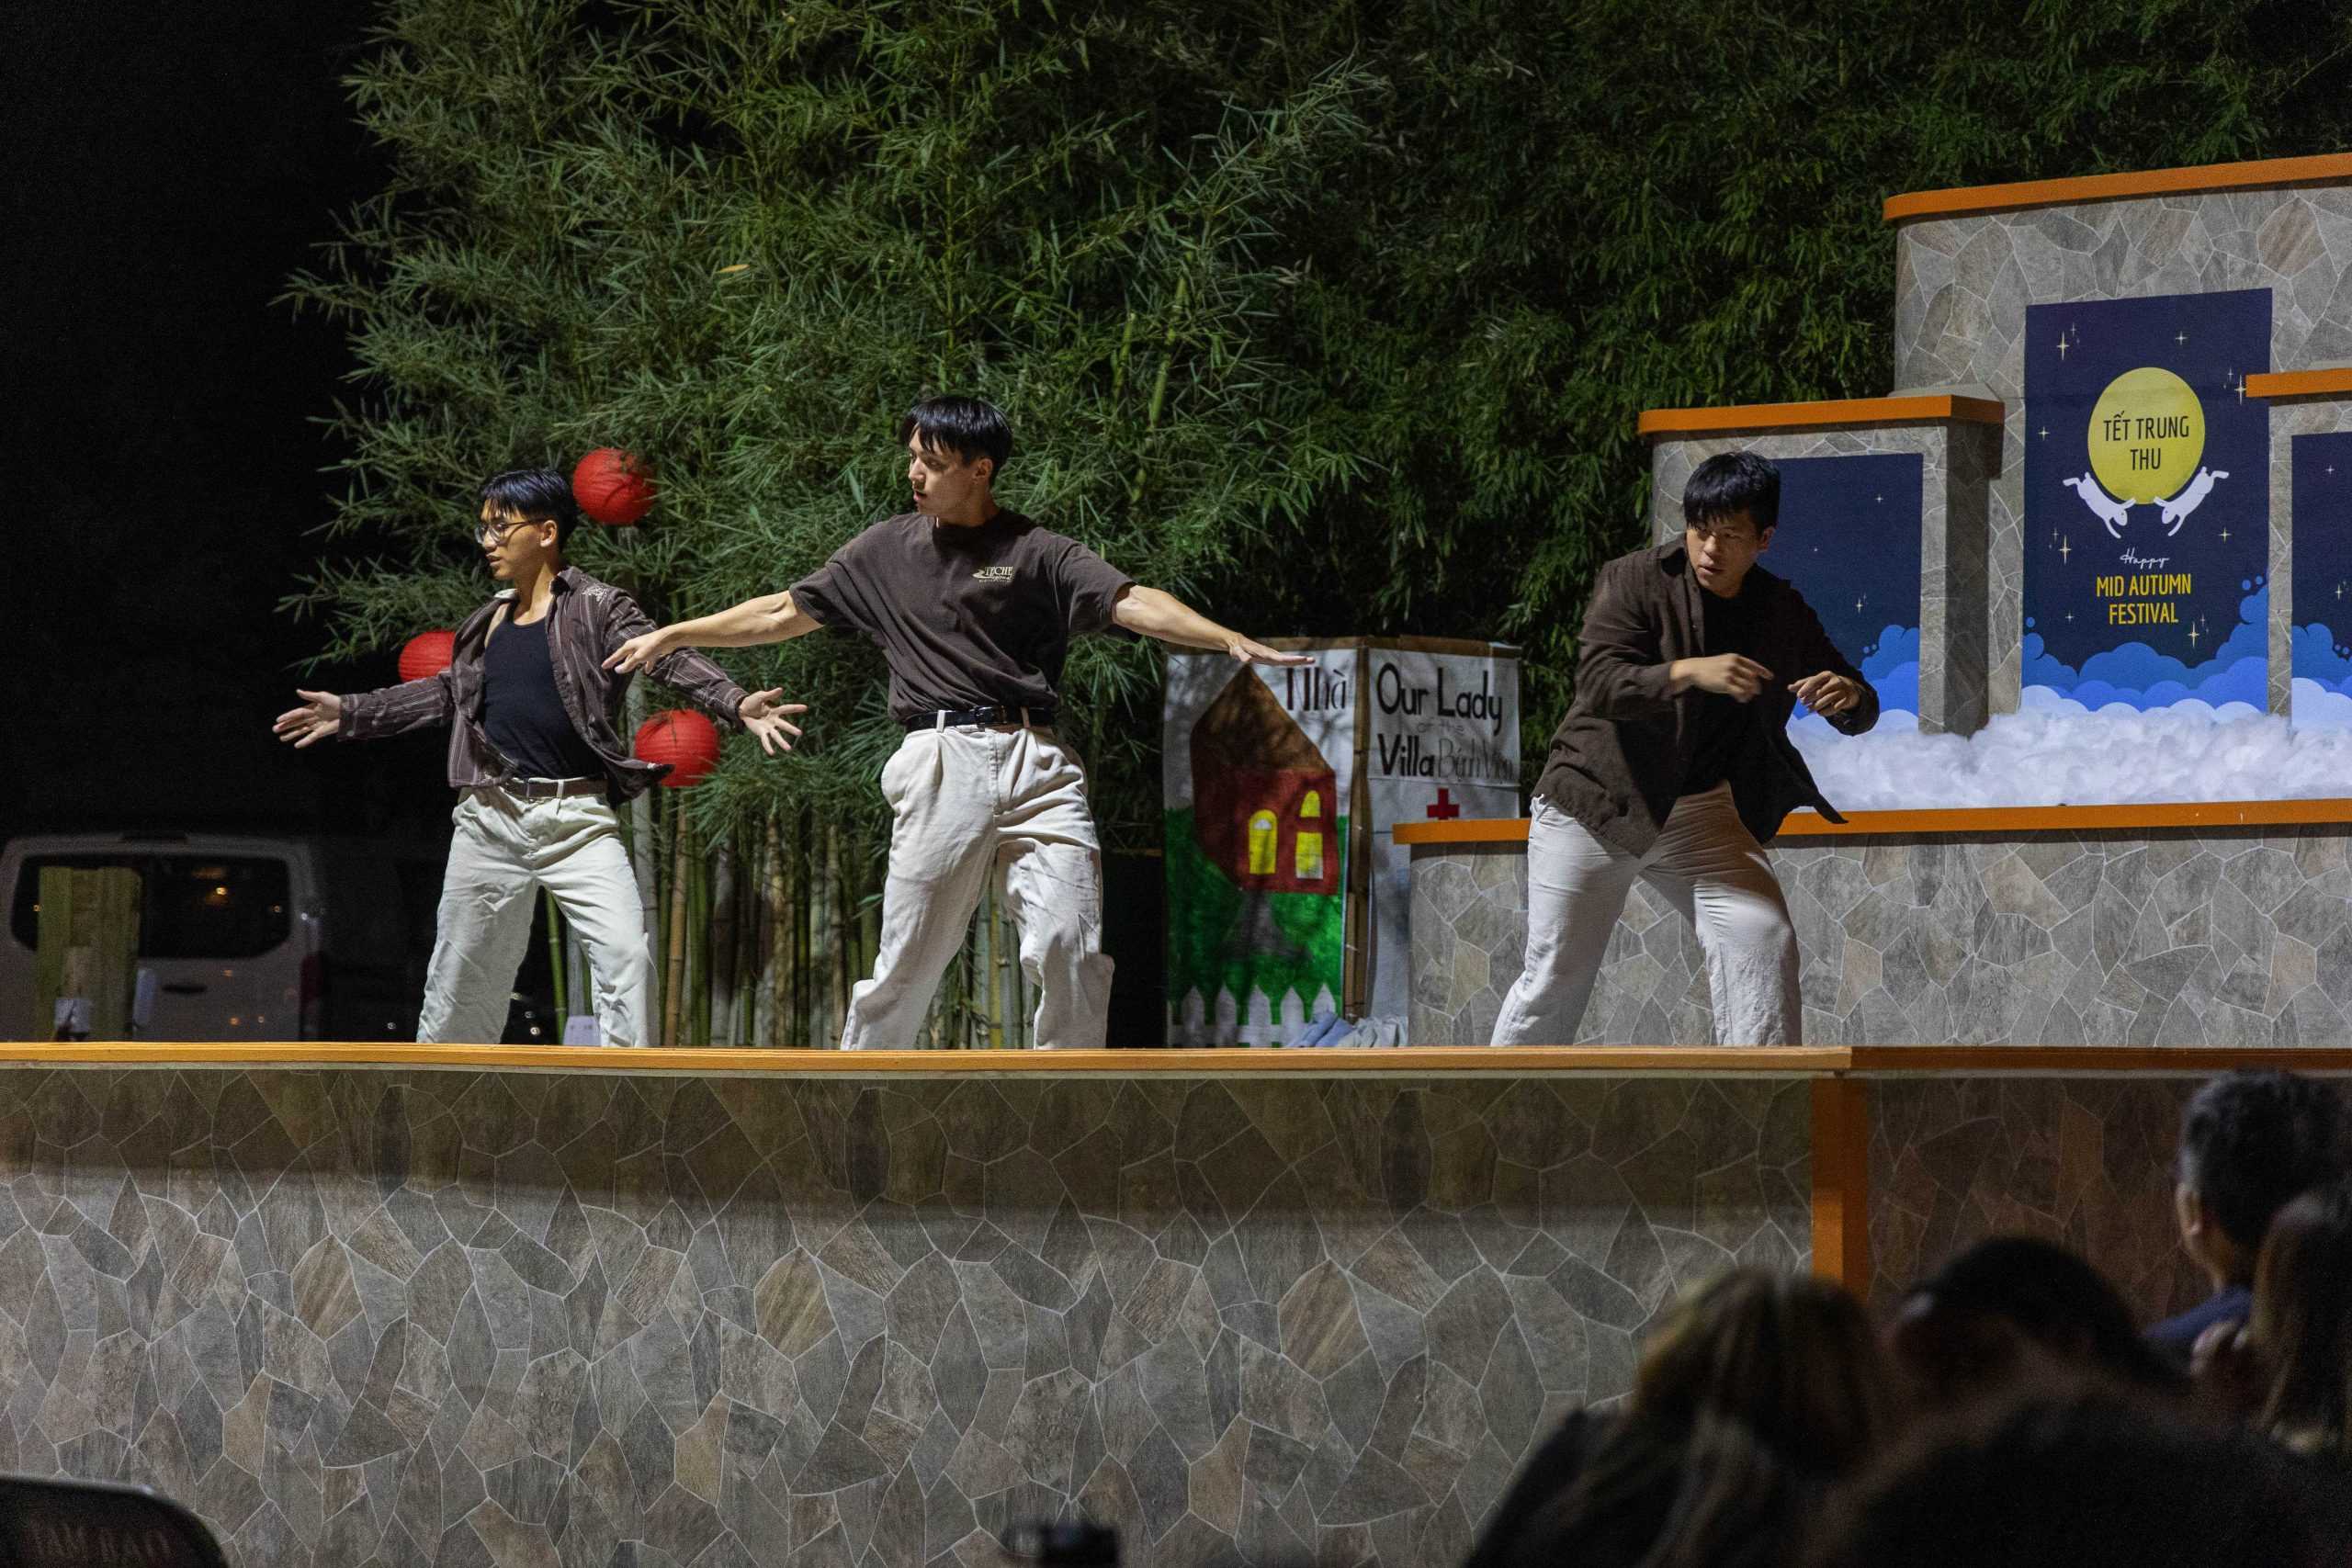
973	607
538	764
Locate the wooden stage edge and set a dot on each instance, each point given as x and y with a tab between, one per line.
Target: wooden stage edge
1428	1061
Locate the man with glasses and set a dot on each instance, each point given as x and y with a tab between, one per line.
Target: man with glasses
539	765
974	606
1674	765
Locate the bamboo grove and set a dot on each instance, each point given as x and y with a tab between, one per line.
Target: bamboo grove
1333	315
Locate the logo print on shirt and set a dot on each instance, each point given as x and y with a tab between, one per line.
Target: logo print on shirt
994	574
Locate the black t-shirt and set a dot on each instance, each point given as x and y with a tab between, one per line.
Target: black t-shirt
1720	725
965	617
521	711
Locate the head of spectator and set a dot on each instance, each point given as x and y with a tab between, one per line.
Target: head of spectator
2301	1336
2014	1311
1758	1392
2085	1480
2250	1141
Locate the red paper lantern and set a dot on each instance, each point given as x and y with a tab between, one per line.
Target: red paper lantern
427	654
613	486
685	740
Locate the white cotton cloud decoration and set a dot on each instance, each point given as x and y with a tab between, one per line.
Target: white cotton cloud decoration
2058	752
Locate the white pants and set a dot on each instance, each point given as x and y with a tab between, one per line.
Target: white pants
503	850
970	805
1708	866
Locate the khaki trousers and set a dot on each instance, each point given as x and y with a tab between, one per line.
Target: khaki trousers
503	852
1710	868
970	805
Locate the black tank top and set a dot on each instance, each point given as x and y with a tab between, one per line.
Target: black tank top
521	713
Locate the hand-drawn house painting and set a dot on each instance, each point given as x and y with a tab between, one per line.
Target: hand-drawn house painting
1264	801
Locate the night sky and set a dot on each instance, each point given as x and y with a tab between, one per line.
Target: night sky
170	166
1848	538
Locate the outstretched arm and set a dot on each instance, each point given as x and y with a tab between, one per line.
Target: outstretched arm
670	656
1151	613
772	617
368	716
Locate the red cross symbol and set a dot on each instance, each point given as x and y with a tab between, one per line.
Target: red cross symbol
1444	810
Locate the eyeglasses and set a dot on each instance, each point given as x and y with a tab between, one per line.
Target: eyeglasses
496	533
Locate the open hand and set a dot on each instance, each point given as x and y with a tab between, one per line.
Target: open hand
1249	651
763	715
2228	1374
320	715
638	652
1827	692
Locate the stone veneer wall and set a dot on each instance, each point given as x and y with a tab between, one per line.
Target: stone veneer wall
407	1318
1962	285
2290	417
1955	473
2086	1162
2172	937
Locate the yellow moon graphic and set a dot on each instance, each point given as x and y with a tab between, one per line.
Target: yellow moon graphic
2147	433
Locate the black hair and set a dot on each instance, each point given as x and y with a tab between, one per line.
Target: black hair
2250	1141
535	495
1733	481
966	426
2052	1297
2085	1480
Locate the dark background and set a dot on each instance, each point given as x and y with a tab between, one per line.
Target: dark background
169	167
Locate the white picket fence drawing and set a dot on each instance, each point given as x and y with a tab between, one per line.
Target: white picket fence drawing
1194	1020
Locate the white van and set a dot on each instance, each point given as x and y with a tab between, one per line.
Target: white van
233	929
253	937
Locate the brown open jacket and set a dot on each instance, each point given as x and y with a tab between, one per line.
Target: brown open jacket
1621	755
587	621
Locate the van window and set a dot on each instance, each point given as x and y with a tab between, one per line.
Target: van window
196	906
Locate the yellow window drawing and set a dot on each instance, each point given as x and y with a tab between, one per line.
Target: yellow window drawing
1313	804
1309	855
1261	844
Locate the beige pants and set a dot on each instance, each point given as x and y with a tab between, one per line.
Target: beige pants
970	805
503	852
1707	866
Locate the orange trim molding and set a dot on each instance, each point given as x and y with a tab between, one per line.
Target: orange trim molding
2074	818
2335	380
1841	1182
2326	168
1990	819
1465	831
1925	409
1520	1061
2091	1061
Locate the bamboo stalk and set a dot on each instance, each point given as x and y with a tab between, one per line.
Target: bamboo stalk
804	989
844	924
698	949
750	945
673	991
644	852
556	969
995	972
776	1030
722	927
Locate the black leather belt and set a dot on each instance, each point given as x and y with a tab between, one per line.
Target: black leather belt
550	789
946	719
